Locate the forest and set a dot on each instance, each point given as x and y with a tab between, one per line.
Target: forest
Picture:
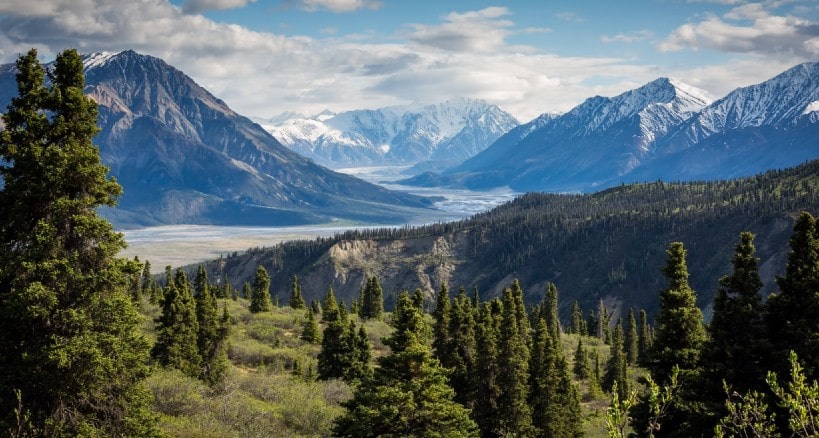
96	345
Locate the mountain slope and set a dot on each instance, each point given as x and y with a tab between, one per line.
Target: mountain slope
447	132
585	147
183	156
608	245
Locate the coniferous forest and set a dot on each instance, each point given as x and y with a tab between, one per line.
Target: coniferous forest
96	345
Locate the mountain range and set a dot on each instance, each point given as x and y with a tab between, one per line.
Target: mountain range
434	136
663	130
183	156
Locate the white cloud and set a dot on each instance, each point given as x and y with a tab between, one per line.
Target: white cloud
482	30
628	38
198	6
339	5
747	29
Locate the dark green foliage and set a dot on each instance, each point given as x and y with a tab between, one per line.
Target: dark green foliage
644	340
462	349
737	346
70	344
486	409
631	341
296	300
602	322
680	333
408	396
513	360
246	293
576	326
550	314
617	365
418	299
260	294
211	334
793	314
582	367
310	331
440	327
177	328
345	353
147	281
372	300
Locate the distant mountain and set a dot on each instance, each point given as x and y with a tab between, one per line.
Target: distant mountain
448	132
183	156
663	130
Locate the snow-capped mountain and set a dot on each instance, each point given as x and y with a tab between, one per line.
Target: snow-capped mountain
183	156
449	132
584	147
663	130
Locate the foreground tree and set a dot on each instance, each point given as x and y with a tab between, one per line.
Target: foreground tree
177	329
408	395
260	294
71	355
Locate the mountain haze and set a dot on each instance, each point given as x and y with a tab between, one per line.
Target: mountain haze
183	156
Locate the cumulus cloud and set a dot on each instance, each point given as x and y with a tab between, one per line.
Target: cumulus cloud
482	30
199	6
339	5
749	29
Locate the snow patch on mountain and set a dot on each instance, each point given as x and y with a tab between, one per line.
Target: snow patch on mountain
98	59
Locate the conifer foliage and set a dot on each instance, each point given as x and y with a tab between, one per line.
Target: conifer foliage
70	342
260	293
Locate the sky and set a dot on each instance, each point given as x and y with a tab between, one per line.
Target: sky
264	58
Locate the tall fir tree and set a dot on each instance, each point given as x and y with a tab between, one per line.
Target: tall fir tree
643	339
210	332
486	410
260	293
408	394
296	299
310	330
577	320
551	315
372	300
440	327
147	283
793	313
177	328
582	367
737	346
462	349
71	343
617	365
630	340
516	414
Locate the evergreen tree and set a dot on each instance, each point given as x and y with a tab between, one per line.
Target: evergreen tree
177	328
737	347
296	300
372	304
310	331
643	339
147	286
462	349
551	315
408	395
246	292
577	320
487	409
440	327
418	299
631	341
71	343
617	365
210	331
793	314
581	361
602	321
516	414
260	294
358	367
341	354
680	333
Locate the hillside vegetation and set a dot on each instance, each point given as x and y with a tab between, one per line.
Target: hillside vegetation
608	245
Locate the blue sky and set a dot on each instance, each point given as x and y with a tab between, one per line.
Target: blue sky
529	57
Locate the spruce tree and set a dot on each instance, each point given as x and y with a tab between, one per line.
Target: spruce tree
577	320
631	341
737	347
147	283
462	349
793	313
372	304
551	315
210	331
516	414
246	292
177	328
581	367
617	365
440	327
643	339
71	343
260	294
680	333
310	331
296	300
486	411
408	394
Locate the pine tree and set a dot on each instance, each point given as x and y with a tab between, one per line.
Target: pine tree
418	299
209	334
736	348
341	353
260	294
631	341
516	414
680	333
296	300
408	394
462	349
246	292
310	331
643	339
617	366
581	361
487	370
177	328
372	301
71	343
551	316
577	320
793	314
440	327
147	285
